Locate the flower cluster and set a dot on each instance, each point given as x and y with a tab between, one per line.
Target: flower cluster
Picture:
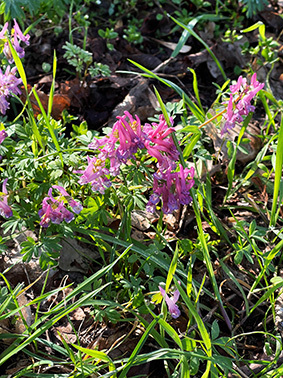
171	302
8	81
239	104
8	84
16	37
5	210
124	141
3	135
173	188
54	210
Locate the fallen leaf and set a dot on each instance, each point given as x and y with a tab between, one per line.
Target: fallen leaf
60	102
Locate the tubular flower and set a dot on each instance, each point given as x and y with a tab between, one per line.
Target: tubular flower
75	205
239	104
171	302
5	209
160	144
173	188
124	141
17	36
95	174
116	148
54	210
3	135
8	85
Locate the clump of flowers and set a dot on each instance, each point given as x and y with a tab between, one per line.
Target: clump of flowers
3	136
8	85
5	210
172	188
8	81
124	141
16	37
239	104
54	210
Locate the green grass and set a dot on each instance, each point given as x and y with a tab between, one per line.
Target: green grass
225	259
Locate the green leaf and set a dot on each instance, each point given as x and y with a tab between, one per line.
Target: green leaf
215	331
172	268
98	355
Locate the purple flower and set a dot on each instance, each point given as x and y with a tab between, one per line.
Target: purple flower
54	210
124	141
173	188
8	85
3	135
130	136
95	173
75	205
240	104
5	209
17	36
44	214
171	302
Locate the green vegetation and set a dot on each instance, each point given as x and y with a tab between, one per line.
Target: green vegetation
200	299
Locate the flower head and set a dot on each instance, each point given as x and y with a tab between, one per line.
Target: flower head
3	135
171	302
239	104
173	188
8	85
17	36
5	209
75	205
54	210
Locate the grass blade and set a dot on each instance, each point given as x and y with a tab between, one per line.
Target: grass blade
196	36
278	175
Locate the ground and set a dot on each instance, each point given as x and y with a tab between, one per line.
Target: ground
98	101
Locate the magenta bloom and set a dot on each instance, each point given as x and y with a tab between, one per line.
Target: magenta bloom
130	136
95	173
8	85
3	135
171	302
123	142
54	210
116	148
160	144
5	209
239	104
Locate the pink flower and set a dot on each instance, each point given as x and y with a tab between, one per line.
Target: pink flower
44	213
239	104
5	210
75	205
173	188
95	173
171	302
124	141
8	85
3	135
17	36
54	210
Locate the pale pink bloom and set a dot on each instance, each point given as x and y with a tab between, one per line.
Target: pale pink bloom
17	36
171	302
8	85
239	104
